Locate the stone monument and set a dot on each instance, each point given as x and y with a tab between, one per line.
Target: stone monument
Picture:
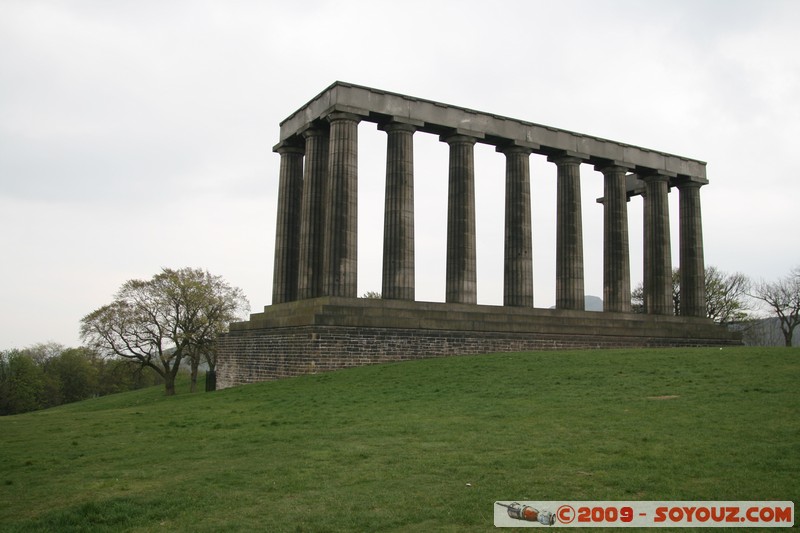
317	323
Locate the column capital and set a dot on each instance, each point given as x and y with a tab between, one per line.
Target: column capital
655	176
289	146
652	179
688	183
397	126
458	138
342	115
514	149
313	131
612	167
565	159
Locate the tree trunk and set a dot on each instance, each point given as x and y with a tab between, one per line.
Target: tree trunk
166	375
211	374
169	384
193	383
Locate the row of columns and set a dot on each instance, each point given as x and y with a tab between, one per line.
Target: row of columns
316	238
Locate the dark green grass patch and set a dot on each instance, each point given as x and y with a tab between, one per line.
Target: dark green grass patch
415	446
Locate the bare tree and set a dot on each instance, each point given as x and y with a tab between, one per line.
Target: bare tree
726	295
782	297
158	322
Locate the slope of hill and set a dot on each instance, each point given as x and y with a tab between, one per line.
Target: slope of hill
425	445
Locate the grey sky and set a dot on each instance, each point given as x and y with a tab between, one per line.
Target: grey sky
137	135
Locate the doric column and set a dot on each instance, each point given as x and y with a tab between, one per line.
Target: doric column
569	234
692	264
312	234
287	233
616	255
518	247
398	225
341	227
657	247
461	282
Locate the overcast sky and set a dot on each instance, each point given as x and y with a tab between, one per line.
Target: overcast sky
137	135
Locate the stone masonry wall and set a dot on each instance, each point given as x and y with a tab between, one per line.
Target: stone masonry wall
274	353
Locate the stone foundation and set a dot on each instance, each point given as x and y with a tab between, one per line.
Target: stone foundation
330	333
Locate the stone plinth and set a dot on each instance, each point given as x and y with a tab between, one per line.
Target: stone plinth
330	333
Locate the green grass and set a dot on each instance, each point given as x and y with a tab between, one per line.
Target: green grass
392	447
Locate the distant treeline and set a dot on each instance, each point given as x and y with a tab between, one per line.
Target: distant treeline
47	375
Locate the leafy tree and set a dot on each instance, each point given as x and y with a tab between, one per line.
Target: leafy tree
782	297
22	383
220	304
725	295
49	374
637	299
42	352
372	295
158	322
119	375
76	375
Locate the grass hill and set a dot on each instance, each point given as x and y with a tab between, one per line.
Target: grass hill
415	446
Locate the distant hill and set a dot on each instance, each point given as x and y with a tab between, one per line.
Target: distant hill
591	303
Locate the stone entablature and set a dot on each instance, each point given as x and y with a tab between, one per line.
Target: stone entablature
374	105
